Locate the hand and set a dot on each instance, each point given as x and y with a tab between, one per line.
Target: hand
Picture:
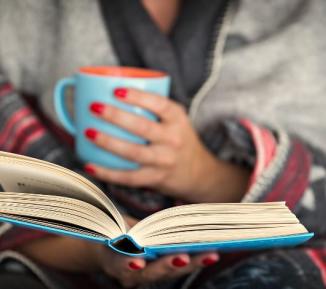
131	272
175	161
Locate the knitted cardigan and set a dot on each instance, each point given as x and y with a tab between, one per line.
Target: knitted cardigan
270	84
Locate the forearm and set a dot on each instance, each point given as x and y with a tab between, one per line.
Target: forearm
63	253
220	182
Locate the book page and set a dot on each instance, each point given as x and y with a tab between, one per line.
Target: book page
28	175
216	222
59	211
53	225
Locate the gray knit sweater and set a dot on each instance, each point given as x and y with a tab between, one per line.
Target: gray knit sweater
272	70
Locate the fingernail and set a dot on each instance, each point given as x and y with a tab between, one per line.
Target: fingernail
209	261
89	169
178	262
120	92
91	133
134	266
97	107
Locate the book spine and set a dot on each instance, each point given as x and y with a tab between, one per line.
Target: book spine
126	245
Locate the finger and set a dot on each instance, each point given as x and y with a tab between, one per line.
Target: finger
195	263
139	153
133	178
168	266
121	262
151	155
118	266
126	269
129	270
166	109
130	220
203	260
138	125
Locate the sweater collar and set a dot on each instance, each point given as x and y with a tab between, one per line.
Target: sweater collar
183	54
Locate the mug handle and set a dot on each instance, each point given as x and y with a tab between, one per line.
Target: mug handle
60	104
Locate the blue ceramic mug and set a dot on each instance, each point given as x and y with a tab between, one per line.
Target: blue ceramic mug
97	84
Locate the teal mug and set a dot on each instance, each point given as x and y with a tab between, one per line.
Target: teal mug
97	84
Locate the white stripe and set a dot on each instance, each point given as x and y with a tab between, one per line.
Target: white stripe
308	200
29	264
217	63
317	173
267	177
4	228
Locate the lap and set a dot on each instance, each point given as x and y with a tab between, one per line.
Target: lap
19	281
281	269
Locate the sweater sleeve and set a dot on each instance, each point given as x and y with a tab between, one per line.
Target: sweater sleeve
22	132
284	168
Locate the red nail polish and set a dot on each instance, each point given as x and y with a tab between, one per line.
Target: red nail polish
120	93
89	169
209	261
178	262
134	266
91	133
97	107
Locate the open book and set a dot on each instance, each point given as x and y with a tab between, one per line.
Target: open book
45	196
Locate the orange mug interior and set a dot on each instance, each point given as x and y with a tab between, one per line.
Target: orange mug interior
120	71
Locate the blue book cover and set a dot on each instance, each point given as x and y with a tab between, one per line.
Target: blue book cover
131	248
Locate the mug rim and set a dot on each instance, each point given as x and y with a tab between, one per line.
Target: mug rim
121	71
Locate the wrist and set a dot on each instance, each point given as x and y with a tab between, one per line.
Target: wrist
219	181
95	255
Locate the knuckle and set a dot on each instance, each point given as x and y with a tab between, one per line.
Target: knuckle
131	179
158	178
133	152
167	160
102	174
113	115
165	107
176	142
126	179
180	110
106	175
139	154
143	127
104	141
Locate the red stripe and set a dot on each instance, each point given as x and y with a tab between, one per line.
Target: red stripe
23	135
293	195
5	89
31	138
19	132
265	146
289	175
12	121
58	132
293	184
319	262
